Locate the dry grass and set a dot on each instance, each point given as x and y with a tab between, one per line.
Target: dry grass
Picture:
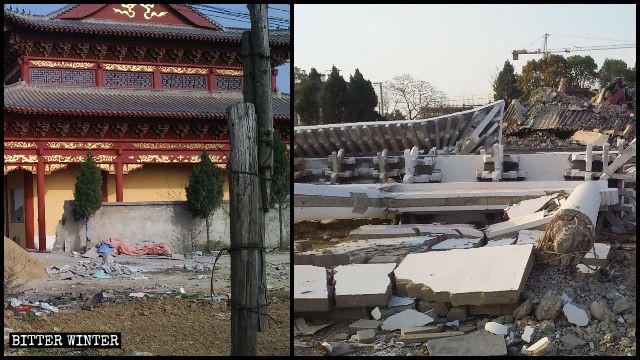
13	285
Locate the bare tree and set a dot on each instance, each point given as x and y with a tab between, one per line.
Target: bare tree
409	95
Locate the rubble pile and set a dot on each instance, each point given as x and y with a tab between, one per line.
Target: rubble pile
613	109
18	261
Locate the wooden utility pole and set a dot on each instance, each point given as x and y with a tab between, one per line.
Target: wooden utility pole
247	296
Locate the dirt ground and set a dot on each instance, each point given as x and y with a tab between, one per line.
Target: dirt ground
163	322
163	325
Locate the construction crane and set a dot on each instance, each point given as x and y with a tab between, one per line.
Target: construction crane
546	51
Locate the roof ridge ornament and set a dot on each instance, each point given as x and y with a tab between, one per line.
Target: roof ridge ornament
147	15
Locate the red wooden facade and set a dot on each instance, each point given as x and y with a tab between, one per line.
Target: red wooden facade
138	84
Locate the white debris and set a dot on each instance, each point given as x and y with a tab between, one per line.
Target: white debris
139	277
399	301
620	319
182	291
405	319
455	323
575	315
138	294
15	302
48	307
496	328
327	347
375	313
527	334
464	243
565	298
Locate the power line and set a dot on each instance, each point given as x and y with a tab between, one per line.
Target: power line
278	9
589	38
239	14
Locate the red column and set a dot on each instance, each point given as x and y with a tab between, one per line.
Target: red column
157	80
118	181
24	70
28	209
99	76
42	232
274	73
6	208
105	190
212	81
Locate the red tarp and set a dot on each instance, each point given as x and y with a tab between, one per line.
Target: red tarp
147	248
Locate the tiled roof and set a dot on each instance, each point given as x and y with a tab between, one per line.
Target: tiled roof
100	26
27	98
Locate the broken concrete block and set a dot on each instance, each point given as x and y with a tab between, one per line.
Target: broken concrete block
177	256
362	284
467	276
375	313
399	301
457	313
412	330
433	313
549	307
527	207
600	311
530	221
366	336
365	324
496	328
495	309
419	338
386	312
501	242
477	343
527	334
621	305
528	236
310	289
540	348
108	260
600	258
405	319
382	259
464	243
523	310
92	253
382	231
441	308
575	315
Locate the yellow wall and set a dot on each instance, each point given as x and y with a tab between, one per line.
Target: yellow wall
154	182
158	182
15	179
58	187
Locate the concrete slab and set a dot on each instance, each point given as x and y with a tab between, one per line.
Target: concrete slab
365	324
362	284
383	231
467	276
412	330
384	259
405	319
419	338
594	138
526	207
528	237
464	243
501	242
310	289
516	224
477	343
496	309
600	257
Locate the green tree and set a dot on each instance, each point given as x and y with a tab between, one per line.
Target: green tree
280	181
631	77
362	99
545	72
88	192
299	75
307	100
504	85
204	192
611	69
581	71
334	99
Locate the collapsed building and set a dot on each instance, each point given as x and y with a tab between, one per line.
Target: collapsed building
427	206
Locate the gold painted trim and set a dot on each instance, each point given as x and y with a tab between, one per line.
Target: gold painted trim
229	72
126	168
29	168
19	158
49	168
79	145
108	168
63	64
183	70
19	144
127	67
160	146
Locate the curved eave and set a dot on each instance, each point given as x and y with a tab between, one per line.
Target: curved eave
119	113
27	24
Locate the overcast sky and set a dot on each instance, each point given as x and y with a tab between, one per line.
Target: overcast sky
455	47
275	10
